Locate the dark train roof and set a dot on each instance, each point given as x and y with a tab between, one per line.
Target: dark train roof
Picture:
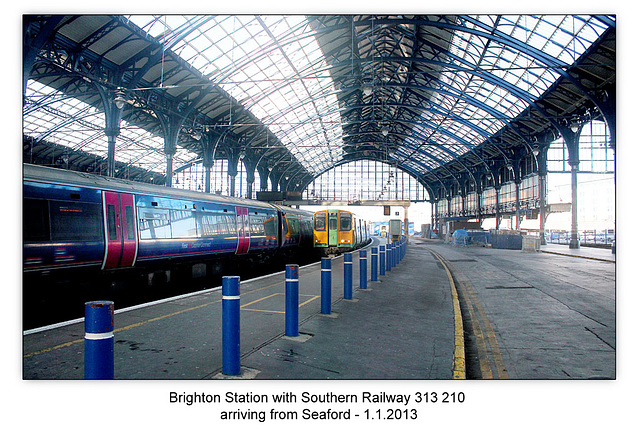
60	176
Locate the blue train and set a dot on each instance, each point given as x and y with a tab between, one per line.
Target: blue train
75	221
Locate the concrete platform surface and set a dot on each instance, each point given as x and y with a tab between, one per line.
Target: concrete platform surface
527	316
399	328
552	315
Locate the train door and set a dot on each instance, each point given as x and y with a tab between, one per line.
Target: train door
244	238
120	230
333	228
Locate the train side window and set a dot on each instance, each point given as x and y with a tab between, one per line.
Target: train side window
75	221
294	226
320	221
36	218
154	224
183	224
111	222
212	225
256	224
232	223
224	227
128	215
271	228
345	222
203	225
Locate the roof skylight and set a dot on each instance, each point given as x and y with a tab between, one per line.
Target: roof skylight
270	64
490	81
72	123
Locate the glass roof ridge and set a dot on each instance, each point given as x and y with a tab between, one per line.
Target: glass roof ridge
442	85
490	62
252	52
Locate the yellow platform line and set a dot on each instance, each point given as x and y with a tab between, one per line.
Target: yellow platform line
243	307
459	366
117	330
490	334
139	324
486	341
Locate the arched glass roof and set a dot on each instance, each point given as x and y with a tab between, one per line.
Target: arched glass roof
418	92
273	66
50	115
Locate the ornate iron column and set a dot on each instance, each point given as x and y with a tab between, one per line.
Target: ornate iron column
542	189
571	137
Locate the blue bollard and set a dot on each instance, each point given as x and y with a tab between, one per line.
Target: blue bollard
231	325
383	263
374	264
291	300
394	254
389	256
363	269
325	285
98	340
348	276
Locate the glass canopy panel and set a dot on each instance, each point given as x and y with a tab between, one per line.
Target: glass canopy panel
67	121
565	37
270	64
493	71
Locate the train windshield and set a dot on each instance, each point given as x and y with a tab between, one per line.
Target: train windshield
345	222
320	221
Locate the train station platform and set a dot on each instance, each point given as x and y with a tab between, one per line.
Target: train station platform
537	315
591	253
401	327
533	315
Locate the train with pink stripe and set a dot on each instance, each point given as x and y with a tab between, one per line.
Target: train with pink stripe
75	221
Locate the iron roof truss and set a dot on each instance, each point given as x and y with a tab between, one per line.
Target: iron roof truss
436	96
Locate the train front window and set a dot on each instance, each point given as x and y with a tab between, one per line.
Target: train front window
320	222
345	222
333	224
